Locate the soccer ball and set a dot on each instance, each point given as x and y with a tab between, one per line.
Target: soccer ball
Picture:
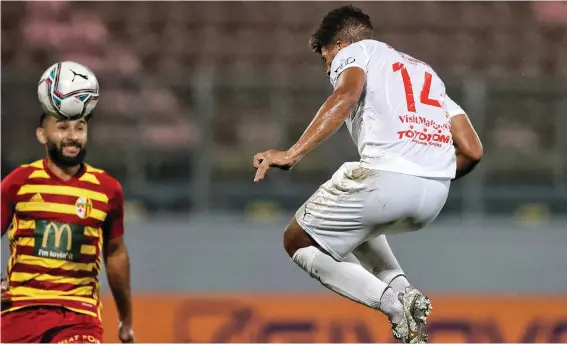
68	91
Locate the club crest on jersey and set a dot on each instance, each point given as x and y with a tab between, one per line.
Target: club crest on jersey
83	207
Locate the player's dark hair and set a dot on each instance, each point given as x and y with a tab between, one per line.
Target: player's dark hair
346	23
43	117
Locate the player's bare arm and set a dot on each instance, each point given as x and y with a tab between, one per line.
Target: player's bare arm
327	121
468	147
117	264
4	285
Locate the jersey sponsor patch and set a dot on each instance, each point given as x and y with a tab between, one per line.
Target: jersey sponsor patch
58	240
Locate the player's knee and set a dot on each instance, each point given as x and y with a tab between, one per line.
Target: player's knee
295	238
288	242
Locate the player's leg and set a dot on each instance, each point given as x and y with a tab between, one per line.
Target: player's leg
415	204
354	206
377	256
324	232
347	278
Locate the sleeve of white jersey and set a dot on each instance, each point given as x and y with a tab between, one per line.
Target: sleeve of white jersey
352	56
453	108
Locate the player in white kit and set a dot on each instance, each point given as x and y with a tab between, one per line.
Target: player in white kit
412	139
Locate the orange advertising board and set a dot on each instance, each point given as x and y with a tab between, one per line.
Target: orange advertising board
325	318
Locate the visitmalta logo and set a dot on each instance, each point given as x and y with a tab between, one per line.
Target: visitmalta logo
83	206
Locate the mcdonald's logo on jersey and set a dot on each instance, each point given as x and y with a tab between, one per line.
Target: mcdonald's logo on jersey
58	240
58	230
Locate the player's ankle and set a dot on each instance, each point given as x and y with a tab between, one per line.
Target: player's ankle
391	305
399	283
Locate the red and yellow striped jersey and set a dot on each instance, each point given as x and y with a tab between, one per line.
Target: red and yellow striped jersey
56	230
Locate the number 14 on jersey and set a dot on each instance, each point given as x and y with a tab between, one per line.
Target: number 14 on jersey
408	88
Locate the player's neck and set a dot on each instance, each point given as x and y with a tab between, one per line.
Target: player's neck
63	173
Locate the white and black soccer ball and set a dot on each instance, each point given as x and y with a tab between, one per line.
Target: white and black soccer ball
68	90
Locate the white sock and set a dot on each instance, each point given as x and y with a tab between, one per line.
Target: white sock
377	256
399	283
350	280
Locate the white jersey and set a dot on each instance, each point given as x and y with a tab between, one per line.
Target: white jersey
402	122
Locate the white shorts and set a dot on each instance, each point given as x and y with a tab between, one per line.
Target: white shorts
358	204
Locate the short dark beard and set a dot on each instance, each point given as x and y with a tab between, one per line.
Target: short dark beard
57	156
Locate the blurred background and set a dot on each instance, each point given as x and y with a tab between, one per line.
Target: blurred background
190	91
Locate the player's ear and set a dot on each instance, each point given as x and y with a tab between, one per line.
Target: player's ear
40	134
340	44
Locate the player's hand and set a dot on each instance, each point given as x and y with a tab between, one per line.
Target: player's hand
272	158
125	333
4	286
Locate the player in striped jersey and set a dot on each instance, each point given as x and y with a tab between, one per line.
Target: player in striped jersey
61	216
